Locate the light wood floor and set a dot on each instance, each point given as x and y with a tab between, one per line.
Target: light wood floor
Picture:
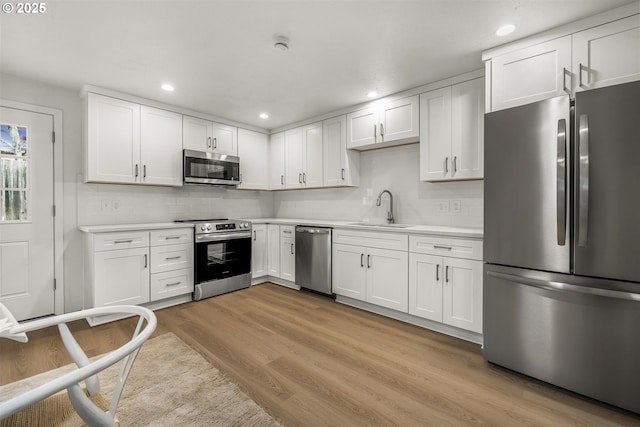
312	362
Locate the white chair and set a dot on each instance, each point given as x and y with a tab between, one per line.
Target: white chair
87	370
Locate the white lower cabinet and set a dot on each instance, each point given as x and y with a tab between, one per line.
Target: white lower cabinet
259	250
444	287
287	253
368	270
137	267
273	250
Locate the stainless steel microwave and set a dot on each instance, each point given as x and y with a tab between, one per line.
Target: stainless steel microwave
201	167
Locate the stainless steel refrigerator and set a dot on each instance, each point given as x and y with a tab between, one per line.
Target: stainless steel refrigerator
562	242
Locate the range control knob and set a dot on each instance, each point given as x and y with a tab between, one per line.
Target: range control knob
208	227
202	228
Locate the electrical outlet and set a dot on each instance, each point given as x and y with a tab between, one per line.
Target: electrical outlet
116	205
456	206
106	205
443	206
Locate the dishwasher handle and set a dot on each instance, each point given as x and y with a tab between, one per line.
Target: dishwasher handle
313	230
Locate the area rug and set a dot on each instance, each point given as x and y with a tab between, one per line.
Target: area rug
170	385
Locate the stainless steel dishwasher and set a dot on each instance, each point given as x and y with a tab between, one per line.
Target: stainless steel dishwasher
313	258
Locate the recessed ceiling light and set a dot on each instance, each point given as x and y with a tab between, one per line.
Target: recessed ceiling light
372	94
264	116
168	87
505	30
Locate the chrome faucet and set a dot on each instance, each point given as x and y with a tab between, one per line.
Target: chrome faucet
390	219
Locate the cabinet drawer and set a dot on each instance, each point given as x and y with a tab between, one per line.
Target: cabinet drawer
372	239
121	240
171	257
171	283
444	246
173	236
288	231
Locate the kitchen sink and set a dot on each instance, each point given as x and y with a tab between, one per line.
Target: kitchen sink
368	224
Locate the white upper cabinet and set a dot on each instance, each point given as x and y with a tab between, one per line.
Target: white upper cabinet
276	161
128	143
452	132
204	135
391	123
341	166
161	147
531	74
303	156
253	150
607	55
112	143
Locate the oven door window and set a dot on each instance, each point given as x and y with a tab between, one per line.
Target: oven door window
211	169
219	260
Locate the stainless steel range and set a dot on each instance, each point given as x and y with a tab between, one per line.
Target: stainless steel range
222	256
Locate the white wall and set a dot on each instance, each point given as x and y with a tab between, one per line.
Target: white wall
395	169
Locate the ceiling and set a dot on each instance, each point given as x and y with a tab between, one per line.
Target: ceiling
219	55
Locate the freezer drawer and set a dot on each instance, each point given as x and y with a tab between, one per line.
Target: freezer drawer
583	338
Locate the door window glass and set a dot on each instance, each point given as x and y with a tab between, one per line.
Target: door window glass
14	174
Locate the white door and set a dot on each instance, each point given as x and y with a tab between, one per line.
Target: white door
288	259
224	139
161	146
273	250
400	119
435	134
196	134
462	294
312	159
334	136
425	286
293	150
253	150
122	277
467	129
362	128
349	271
26	213
276	161
388	278
259	251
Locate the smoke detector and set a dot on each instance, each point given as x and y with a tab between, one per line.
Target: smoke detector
281	43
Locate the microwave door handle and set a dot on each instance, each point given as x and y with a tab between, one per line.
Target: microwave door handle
561	182
583	180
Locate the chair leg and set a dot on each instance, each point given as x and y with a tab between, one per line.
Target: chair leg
81	359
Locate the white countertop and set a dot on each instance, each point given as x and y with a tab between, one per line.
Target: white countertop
129	227
441	230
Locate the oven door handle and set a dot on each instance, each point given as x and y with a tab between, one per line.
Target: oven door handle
217	237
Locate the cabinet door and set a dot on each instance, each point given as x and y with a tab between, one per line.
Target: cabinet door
362	128
273	250
607	55
400	120
349	271
276	161
435	135
467	129
113	140
388	278
259	250
531	74
122	277
253	150
224	139
288	258
425	286
293	151
334	135
462	294
160	146
312	155
196	134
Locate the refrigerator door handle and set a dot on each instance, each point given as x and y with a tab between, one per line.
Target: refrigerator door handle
583	181
566	287
561	190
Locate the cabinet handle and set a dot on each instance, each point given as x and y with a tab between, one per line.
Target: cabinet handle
144	171
564	82
368	261
291	248
281	179
173	284
446	274
299	178
215	143
446	165
381	130
304	177
240	179
169	258
437	272
580	67
254	236
375	129
286	231
455	164
145	260
136	170
361	260
208	142
343	174
123	241
448	248
171	237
